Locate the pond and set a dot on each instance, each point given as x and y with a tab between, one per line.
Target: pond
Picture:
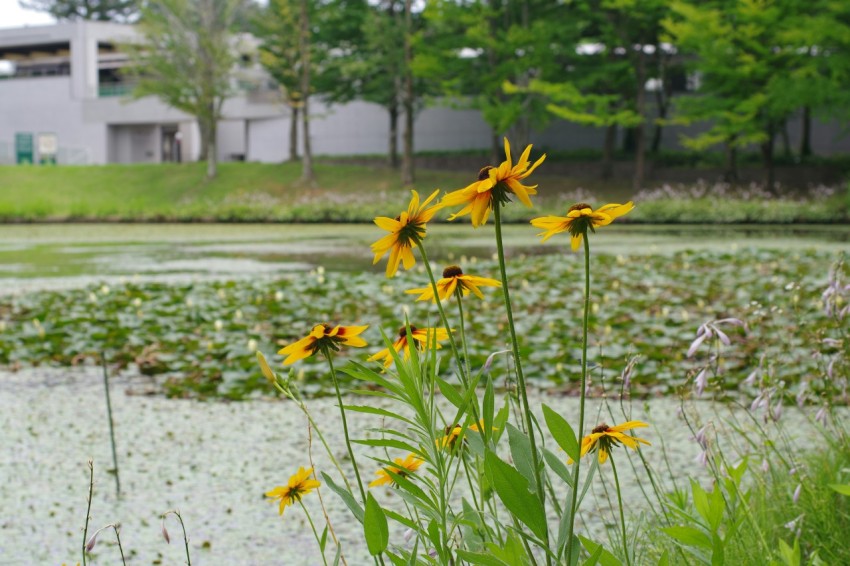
43	256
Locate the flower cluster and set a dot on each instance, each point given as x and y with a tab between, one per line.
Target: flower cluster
472	435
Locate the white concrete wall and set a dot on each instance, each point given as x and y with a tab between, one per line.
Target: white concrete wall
230	139
362	128
44	104
135	144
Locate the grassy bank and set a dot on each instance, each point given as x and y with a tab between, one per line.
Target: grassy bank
349	193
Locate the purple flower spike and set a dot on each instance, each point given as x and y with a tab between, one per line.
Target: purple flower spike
821	416
701	381
92	541
796	496
702	335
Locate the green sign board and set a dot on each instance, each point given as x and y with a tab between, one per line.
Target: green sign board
24	147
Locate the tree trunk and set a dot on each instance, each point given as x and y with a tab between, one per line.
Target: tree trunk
640	130
212	157
293	133
786	141
608	151
205	138
661	104
307	176
496	149
407	173
806	135
392	156
730	175
767	154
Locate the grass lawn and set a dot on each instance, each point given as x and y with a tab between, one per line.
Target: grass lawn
344	193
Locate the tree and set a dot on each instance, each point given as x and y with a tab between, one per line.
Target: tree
474	48
307	175
185	58
96	10
280	54
738	50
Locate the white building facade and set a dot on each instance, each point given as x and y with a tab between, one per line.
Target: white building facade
62	98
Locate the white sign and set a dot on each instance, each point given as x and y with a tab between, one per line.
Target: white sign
47	144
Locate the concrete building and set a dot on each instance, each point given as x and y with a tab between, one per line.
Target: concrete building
63	99
60	90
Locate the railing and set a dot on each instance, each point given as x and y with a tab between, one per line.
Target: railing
115	89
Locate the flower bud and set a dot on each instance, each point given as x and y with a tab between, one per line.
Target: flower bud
92	541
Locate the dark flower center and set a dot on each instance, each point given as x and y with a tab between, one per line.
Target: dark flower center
579	206
485	172
452	271
402	332
601	428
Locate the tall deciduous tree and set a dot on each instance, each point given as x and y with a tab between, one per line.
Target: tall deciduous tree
738	49
185	58
473	48
307	175
97	10
280	54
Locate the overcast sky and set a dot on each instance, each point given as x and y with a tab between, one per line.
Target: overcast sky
13	16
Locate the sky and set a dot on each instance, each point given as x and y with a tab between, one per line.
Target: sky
13	16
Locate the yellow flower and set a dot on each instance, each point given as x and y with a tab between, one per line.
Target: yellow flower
453	433
405	231
424	336
605	437
453	280
264	367
402	468
299	485
323	336
580	217
493	186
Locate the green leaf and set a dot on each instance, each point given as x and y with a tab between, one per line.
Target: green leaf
557	465
488	406
450	393
689	536
605	557
378	411
375	527
562	432
388	443
481	558
521	454
323	541
665	559
346	497
843	489
594	558
512	488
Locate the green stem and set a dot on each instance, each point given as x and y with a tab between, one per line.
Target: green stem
345	424
120	548
88	509
315	533
529	425
585	323
458	296
463	375
111	425
622	515
301	405
185	536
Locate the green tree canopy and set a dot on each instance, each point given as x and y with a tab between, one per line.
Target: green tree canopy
186	57
98	10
